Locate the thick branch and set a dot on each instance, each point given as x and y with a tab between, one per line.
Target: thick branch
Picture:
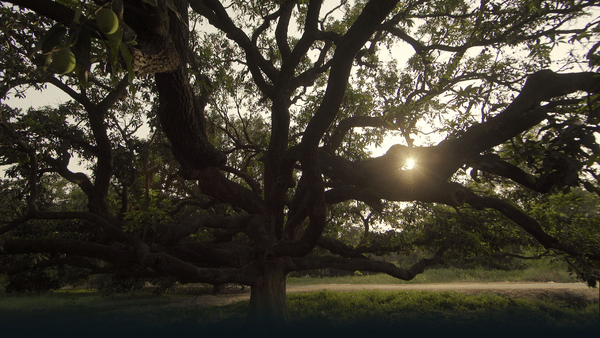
527	223
349	264
311	182
46	8
80	98
382	177
359	33
523	113
494	165
68	246
81	179
15	223
255	186
213	183
335	140
343	193
182	119
172	233
281	32
211	255
166	264
217	15
342	249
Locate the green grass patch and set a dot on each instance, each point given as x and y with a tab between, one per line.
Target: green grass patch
74	312
435	312
77	297
50	300
348	313
449	275
85	311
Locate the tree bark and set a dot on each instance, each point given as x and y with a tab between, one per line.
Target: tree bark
268	306
218	289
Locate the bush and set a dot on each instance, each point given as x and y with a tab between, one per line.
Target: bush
45	279
3	284
163	284
109	285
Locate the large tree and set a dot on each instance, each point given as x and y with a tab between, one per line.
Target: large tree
263	115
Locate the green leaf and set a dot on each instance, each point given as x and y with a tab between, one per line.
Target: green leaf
54	37
173	8
128	61
117	7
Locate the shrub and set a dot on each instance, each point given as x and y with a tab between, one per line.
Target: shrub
109	285
45	279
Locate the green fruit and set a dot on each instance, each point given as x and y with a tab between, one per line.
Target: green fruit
107	21
63	61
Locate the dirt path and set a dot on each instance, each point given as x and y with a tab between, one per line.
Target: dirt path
569	292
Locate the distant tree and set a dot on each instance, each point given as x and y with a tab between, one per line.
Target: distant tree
262	117
37	271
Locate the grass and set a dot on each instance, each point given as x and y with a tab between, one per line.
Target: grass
450	275
347	313
73	311
49	300
350	313
435	312
79	298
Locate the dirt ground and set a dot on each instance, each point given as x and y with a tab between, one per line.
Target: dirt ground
573	293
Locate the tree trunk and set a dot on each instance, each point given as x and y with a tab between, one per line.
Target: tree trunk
268	307
218	289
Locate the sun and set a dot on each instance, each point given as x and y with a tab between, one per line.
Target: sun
409	163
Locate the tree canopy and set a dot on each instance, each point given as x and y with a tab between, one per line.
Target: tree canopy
233	141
